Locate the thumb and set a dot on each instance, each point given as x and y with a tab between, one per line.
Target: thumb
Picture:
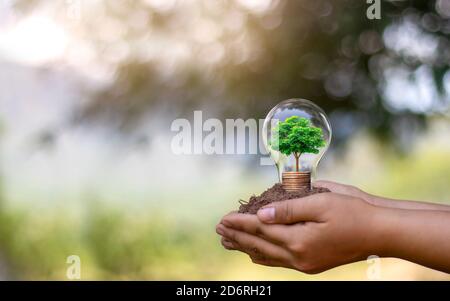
292	211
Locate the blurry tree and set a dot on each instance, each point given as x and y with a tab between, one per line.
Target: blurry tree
242	57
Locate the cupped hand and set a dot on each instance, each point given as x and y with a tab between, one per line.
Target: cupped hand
345	189
310	234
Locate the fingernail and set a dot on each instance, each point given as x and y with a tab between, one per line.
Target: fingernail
219	230
267	214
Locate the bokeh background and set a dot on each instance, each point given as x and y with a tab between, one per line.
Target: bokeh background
89	89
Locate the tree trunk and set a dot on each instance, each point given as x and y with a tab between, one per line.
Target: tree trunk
297	157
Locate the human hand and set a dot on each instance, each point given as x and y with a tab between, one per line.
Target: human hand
346	190
311	234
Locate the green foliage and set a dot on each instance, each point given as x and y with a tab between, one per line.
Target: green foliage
296	136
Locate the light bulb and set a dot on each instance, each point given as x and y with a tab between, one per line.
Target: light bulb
296	133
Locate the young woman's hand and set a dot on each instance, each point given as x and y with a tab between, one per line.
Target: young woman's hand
325	230
311	234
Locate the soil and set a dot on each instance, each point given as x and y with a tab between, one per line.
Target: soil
275	194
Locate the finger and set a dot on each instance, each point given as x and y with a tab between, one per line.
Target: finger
341	189
334	187
254	246
295	210
227	244
270	263
231	212
251	224
325	184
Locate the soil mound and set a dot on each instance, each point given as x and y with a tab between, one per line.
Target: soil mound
275	194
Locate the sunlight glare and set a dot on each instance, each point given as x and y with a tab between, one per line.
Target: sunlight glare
34	41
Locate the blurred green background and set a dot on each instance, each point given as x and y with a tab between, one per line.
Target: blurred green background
89	90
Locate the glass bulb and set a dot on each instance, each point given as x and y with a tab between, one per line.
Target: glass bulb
299	153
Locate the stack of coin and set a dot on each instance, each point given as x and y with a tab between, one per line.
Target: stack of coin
294	181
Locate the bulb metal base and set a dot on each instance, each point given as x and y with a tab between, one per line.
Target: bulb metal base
295	181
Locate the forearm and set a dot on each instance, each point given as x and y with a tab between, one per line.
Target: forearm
380	201
420	236
400	204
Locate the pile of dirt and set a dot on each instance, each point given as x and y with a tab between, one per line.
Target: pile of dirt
275	194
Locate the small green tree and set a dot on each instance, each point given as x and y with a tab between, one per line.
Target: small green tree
296	135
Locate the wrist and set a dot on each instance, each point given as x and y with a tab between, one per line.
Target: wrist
380	231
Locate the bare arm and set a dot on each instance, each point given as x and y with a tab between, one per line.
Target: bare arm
402	204
380	201
420	236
